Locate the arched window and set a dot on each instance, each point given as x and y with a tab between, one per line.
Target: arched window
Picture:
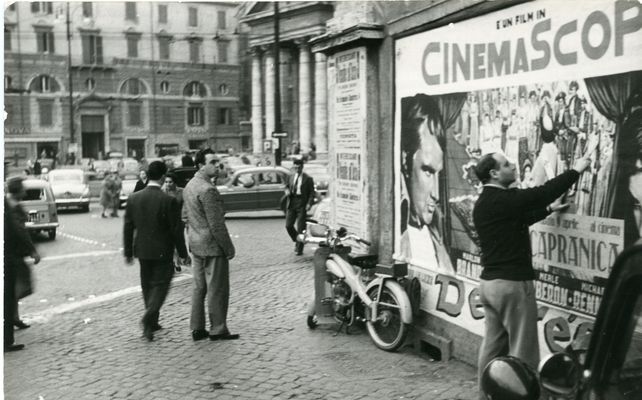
44	84
223	89
90	83
164	85
194	89
133	87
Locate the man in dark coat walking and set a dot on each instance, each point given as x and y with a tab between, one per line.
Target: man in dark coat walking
300	194
155	217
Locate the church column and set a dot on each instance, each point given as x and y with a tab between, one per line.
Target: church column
269	92
257	103
305	101
320	106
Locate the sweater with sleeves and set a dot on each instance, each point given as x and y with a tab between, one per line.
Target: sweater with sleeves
502	217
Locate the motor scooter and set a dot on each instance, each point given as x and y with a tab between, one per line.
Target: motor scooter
350	289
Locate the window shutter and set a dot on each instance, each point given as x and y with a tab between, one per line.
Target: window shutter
7	39
40	39
166	115
50	35
162	14
46	112
49	8
222	51
221	20
86	51
35	7
99	50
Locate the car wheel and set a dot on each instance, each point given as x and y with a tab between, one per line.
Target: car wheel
52	234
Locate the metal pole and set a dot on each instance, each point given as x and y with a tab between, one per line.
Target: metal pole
71	88
277	84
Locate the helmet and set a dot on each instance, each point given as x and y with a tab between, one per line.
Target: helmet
508	378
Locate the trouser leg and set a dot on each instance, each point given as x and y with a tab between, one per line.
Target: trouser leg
495	341
520	319
300	225
290	219
199	290
145	279
218	294
159	287
9	308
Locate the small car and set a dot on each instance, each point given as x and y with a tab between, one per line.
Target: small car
126	189
39	204
70	188
255	189
101	168
129	168
604	365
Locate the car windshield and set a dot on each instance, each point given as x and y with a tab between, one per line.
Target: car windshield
34	194
66	176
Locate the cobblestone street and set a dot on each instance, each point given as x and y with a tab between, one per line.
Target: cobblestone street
96	351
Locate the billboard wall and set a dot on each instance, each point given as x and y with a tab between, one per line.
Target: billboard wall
547	82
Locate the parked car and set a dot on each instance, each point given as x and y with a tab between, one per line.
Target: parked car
255	188
127	189
129	169
70	188
101	168
607	366
183	175
39	204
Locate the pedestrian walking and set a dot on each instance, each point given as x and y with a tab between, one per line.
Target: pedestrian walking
211	248
24	284
299	194
17	246
170	187
502	215
110	194
152	230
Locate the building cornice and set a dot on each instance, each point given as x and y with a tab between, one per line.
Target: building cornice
360	33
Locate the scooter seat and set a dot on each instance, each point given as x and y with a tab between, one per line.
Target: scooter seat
365	262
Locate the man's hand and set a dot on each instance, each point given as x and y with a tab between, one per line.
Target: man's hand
36	257
129	260
231	255
581	164
557	205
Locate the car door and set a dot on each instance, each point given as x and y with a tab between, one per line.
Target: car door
241	193
270	189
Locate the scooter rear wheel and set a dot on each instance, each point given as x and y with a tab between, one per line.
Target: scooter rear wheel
312	321
387	330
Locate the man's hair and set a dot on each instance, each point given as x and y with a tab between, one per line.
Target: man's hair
423	105
14	185
199	159
573	85
560	96
171	176
483	167
156	170
298	161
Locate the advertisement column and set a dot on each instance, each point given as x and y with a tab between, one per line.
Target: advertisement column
549	83
347	140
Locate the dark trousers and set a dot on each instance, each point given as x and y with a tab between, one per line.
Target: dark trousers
295	215
10	302
155	278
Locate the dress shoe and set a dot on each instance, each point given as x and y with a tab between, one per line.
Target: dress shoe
13	347
298	249
225	336
148	334
199	334
21	324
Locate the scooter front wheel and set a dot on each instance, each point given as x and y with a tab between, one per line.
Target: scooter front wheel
387	330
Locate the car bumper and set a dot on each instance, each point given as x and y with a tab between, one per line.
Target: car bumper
31	226
72	202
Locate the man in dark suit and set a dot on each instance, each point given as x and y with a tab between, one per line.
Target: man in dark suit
155	217
300	194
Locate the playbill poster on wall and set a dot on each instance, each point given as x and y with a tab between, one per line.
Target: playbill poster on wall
347	117
546	83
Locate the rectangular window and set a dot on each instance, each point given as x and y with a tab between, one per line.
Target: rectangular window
7	39
46	112
166	115
130	11
87	9
224	116
162	14
222	51
45	41
163	47
195	51
221	20
193	17
92	49
133	112
132	46
195	114
41	7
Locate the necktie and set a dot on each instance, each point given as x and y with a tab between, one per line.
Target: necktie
296	185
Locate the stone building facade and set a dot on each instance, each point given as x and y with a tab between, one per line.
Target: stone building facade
147	78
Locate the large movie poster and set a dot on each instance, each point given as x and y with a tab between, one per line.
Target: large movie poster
549	82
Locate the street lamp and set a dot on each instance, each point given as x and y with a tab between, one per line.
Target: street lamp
72	136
